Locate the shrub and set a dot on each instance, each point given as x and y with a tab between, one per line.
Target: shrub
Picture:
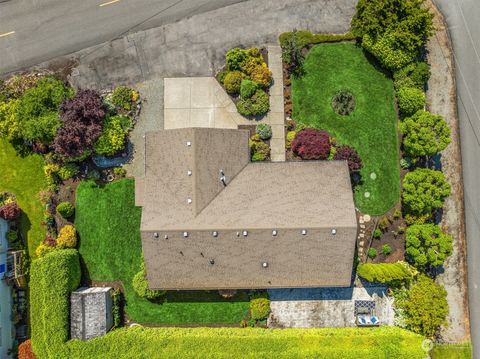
43	249
67	237
386	272
257	105
397	214
385	49
235	57
312	144
67	171
120	172
117	308
12	236
9	125
25	350
52	278
140	285
259	307
372	253
427	245
424	134
424	190
425	306
261	75
264	130
377	233
249	65
37	111
233	81
10	211
305	38
292	53
383	223
113	137
247	89
82	119
124	97
259	150
386	249
415	74
221	76
290	137
410	100
347	153
417	219
65	209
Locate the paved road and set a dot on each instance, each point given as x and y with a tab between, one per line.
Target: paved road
462	18
33	31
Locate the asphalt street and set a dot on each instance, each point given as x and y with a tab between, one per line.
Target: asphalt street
33	31
462	19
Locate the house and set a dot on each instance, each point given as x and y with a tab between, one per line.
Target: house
211	219
90	312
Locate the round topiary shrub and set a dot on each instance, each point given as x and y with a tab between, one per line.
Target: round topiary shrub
10	211
235	57
259	308
140	285
232	82
259	150
247	89
65	209
343	103
410	100
372	253
264	130
261	75
351	156
67	237
257	105
312	144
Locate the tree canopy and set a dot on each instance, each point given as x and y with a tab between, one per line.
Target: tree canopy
424	190
424	134
427	245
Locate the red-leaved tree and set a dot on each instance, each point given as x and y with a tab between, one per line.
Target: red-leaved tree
312	144
351	156
25	350
82	118
10	211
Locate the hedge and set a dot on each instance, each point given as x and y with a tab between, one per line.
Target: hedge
305	37
385	272
52	278
365	343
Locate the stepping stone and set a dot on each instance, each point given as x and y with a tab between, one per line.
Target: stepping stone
362	226
367	218
367	194
361	243
373	176
362	235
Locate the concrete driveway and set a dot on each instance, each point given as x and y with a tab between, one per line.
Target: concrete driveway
5	298
462	19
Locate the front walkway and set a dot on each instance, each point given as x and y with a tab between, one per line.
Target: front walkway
5	297
325	307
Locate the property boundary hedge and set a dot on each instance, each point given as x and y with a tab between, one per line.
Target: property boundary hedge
385	272
307	38
52	278
365	343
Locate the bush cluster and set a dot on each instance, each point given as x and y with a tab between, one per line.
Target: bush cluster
140	285
52	278
415	74
427	245
114	135
386	272
410	100
312	144
233	82
347	153
257	105
124	97
259	150
65	209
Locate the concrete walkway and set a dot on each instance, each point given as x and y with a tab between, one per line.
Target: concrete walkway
325	307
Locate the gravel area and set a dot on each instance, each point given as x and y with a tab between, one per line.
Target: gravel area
441	99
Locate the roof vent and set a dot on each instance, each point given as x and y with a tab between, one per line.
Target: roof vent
212	261
238	234
304	231
223	179
166	237
155	234
245	233
189	200
274	232
189	173
265	264
189	143
185	234
334	231
215	233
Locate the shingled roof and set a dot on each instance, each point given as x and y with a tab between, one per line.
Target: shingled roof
211	219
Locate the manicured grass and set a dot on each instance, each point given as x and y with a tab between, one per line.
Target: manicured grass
371	129
449	351
108	224
365	343
24	177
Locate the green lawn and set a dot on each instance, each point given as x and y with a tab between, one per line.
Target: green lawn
345	343
24	177
108	224
371	129
452	351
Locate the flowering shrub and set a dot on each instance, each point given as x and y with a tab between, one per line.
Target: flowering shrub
10	211
67	237
351	156
312	144
124	97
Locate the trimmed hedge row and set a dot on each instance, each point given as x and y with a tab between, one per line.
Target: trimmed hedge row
385	272
368	343
52	278
305	37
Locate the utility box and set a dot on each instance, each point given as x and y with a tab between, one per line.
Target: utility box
90	312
